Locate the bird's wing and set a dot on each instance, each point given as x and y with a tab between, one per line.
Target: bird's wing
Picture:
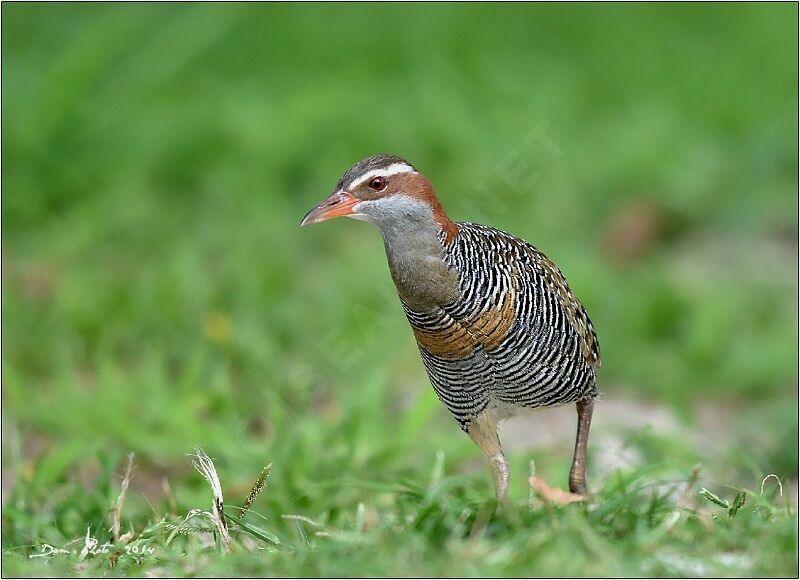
509	267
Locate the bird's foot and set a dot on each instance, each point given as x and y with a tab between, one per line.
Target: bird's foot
553	494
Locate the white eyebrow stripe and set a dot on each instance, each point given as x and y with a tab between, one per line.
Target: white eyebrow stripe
392	169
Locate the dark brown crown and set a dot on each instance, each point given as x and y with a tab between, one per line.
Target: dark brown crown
369	164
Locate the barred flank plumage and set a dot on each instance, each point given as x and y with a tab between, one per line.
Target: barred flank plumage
516	336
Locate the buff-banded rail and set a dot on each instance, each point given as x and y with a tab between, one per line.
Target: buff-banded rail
496	323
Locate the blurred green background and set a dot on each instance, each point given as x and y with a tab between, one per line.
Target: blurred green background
158	293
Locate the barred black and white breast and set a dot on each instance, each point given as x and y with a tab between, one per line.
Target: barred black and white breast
515	336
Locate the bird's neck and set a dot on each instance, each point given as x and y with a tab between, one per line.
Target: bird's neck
412	236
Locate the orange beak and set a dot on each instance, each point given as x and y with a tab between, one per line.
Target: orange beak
338	204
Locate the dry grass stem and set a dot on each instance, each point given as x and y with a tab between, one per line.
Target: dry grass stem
684	500
203	464
117	513
780	485
173	505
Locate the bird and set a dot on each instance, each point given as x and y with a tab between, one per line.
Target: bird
497	326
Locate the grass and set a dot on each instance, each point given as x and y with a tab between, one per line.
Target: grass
636	524
158	294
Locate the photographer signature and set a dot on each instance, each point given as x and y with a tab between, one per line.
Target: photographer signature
92	546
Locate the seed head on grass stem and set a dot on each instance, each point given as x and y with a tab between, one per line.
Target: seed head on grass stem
257	488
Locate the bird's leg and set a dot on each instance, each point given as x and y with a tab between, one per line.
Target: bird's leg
577	473
483	431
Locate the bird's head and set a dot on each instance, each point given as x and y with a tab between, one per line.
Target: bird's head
385	190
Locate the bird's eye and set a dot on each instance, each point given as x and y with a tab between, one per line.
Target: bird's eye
378	183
